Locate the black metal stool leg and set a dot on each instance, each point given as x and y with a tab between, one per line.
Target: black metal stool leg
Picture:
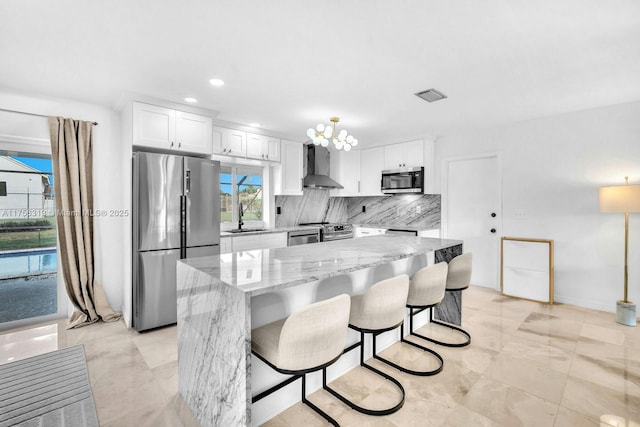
359	408
466	342
314	407
407	370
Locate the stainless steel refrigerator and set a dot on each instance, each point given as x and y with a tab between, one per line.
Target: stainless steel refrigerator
176	215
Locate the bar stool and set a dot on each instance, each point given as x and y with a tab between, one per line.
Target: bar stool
379	310
458	279
426	290
308	340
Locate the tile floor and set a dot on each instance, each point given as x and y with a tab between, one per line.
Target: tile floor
529	364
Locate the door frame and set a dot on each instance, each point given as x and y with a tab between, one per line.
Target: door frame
31	145
444	219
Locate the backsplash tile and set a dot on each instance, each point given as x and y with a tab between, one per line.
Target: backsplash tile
313	206
396	211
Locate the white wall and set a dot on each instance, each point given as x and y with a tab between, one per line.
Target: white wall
112	158
552	169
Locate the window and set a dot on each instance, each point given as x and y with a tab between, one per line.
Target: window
28	254
241	185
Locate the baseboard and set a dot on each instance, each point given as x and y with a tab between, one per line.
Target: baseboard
595	305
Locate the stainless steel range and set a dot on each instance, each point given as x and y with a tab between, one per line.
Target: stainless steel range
333	231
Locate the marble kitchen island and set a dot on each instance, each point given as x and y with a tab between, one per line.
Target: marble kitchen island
221	298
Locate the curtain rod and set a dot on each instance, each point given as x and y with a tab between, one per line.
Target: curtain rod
33	114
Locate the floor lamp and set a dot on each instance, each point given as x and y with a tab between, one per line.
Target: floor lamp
623	199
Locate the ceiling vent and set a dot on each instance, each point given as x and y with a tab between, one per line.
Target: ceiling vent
431	95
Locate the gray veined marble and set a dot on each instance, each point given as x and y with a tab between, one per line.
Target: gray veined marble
215	297
415	211
396	211
312	206
450	309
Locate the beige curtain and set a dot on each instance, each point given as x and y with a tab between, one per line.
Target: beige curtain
71	148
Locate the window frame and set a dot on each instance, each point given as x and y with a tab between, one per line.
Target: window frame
225	226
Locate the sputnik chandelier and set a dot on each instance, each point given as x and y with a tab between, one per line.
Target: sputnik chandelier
322	134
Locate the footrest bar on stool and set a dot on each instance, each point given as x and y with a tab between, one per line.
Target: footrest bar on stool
352	405
447	325
407	370
275	388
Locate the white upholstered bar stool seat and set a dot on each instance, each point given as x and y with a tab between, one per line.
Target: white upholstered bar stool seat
378	310
306	341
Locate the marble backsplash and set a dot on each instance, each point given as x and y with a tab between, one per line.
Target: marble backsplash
312	206
410	210
422	211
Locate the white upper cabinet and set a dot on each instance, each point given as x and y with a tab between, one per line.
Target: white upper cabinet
229	142
404	155
345	169
371	166
263	147
164	128
290	168
193	132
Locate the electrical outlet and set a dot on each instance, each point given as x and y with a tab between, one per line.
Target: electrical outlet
418	209
521	213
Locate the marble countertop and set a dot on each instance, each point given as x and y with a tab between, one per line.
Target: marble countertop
269	230
264	270
395	227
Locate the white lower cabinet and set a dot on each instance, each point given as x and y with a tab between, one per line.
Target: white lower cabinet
367	231
435	232
226	245
253	241
273	240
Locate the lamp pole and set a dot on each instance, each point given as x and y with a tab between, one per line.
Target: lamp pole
626	251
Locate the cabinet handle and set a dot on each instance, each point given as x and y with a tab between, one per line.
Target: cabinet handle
266	156
179	144
262	155
171	144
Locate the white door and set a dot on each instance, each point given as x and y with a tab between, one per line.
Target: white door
472	212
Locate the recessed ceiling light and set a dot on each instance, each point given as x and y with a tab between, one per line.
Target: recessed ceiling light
190	99
254	125
216	82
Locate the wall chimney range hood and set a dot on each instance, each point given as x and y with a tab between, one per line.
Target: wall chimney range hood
316	168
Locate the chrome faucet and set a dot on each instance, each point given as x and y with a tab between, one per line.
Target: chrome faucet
240	214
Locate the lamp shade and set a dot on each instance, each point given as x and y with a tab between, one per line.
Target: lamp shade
620	198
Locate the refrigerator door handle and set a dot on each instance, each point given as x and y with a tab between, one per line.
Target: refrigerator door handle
183	227
187	181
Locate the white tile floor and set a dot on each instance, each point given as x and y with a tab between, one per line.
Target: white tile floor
529	364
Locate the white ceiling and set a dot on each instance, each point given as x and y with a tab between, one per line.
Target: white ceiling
289	64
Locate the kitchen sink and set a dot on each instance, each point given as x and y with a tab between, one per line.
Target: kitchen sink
246	230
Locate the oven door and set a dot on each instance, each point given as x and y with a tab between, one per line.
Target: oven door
403	181
337	236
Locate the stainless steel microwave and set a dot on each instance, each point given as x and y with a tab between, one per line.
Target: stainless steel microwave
405	180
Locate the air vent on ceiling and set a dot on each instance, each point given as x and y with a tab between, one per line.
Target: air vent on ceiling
431	95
